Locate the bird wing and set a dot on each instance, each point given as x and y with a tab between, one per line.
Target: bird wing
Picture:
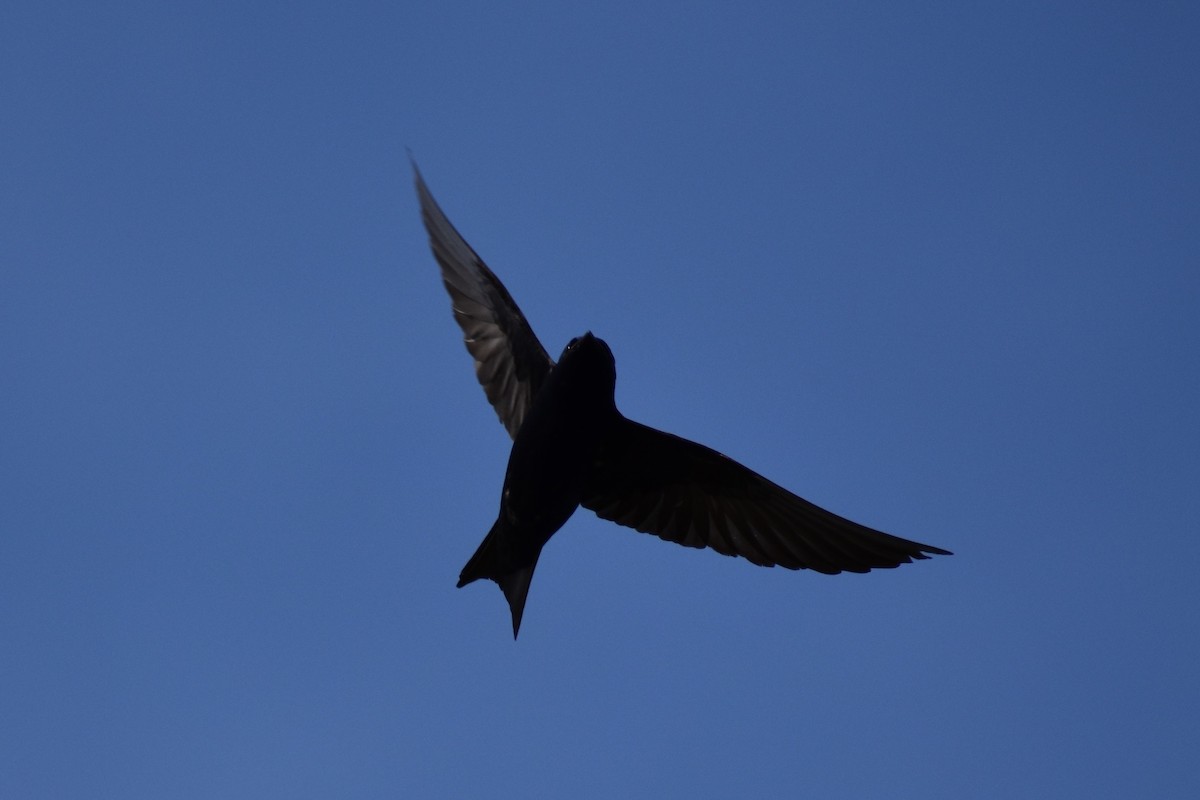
684	492
510	363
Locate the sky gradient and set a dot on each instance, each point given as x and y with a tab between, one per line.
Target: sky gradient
936	270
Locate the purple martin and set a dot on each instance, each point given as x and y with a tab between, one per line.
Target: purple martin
572	447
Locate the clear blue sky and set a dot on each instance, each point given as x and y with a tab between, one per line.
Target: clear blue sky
936	269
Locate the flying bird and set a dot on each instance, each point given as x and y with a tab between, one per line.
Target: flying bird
572	447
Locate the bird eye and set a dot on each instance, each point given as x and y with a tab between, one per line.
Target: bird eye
571	344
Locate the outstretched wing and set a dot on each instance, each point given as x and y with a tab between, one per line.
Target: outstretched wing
685	492
510	362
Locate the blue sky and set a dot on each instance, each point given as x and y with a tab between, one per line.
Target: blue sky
936	269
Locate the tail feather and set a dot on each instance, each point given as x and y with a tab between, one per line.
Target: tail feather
515	586
496	560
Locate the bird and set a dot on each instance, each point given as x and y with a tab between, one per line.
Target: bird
572	447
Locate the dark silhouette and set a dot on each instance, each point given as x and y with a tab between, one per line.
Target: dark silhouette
572	447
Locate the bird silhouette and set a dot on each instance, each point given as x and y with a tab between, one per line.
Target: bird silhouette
572	447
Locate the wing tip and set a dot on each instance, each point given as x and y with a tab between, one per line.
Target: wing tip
928	550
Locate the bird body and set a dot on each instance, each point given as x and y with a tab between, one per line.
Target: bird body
549	468
572	447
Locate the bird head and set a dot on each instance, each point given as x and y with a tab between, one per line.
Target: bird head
589	356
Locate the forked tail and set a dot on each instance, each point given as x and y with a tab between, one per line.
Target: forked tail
497	560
